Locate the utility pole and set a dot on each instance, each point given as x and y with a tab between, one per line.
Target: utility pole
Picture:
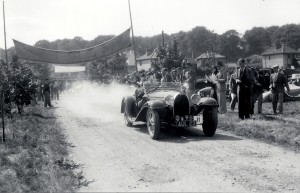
2	92
136	69
6	59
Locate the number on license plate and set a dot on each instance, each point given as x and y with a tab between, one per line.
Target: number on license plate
198	119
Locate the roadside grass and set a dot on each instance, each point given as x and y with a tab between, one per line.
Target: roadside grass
283	130
34	157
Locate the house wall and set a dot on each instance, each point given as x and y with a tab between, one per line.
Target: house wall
143	65
130	62
272	60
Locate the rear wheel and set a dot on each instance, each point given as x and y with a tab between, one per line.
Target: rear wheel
153	123
210	121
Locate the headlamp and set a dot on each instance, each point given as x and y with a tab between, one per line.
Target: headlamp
195	98
169	100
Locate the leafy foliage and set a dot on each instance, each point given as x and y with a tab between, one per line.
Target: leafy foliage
100	70
167	56
18	85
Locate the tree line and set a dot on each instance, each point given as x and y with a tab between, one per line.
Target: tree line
230	44
192	43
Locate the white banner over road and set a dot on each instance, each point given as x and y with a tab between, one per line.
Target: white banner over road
67	69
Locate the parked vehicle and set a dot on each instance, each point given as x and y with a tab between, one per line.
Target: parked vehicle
167	103
293	95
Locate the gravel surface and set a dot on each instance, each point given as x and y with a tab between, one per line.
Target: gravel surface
120	158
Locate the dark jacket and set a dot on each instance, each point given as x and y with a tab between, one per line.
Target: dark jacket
246	77
278	81
46	87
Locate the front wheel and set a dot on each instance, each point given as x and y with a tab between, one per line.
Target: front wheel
153	123
210	121
128	120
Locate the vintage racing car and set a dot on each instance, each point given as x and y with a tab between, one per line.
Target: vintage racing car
167	103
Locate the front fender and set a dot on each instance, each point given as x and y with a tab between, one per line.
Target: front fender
207	101
129	100
159	106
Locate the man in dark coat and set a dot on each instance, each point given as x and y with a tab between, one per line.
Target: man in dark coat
244	80
277	83
46	90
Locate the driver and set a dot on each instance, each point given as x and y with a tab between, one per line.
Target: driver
140	92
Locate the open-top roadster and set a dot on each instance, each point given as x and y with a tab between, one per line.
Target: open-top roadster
167	103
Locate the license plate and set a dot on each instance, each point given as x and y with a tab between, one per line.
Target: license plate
186	121
198	119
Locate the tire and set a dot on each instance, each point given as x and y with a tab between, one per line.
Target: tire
128	120
153	123
210	121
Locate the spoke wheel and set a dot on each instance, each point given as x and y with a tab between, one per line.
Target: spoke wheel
153	123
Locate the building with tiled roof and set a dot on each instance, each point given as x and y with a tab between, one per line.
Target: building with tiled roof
144	61
280	55
207	57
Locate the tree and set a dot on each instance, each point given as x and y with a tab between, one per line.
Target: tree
18	85
43	44
168	56
230	45
289	35
200	40
258	39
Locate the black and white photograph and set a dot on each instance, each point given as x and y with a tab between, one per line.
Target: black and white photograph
150	96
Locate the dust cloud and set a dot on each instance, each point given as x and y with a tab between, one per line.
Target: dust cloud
91	100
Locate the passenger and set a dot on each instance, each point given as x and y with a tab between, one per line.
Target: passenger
140	92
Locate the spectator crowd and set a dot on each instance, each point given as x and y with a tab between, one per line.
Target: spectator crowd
244	86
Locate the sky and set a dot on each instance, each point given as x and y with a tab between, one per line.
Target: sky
31	20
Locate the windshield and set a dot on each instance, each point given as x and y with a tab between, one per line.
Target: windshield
163	86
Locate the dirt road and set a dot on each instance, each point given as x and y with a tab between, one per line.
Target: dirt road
119	158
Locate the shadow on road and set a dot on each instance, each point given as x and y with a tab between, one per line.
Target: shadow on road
184	135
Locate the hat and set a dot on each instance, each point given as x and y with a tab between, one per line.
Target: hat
241	60
276	66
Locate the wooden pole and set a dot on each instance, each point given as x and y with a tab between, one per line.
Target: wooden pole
2	91
6	59
8	67
2	116
133	44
